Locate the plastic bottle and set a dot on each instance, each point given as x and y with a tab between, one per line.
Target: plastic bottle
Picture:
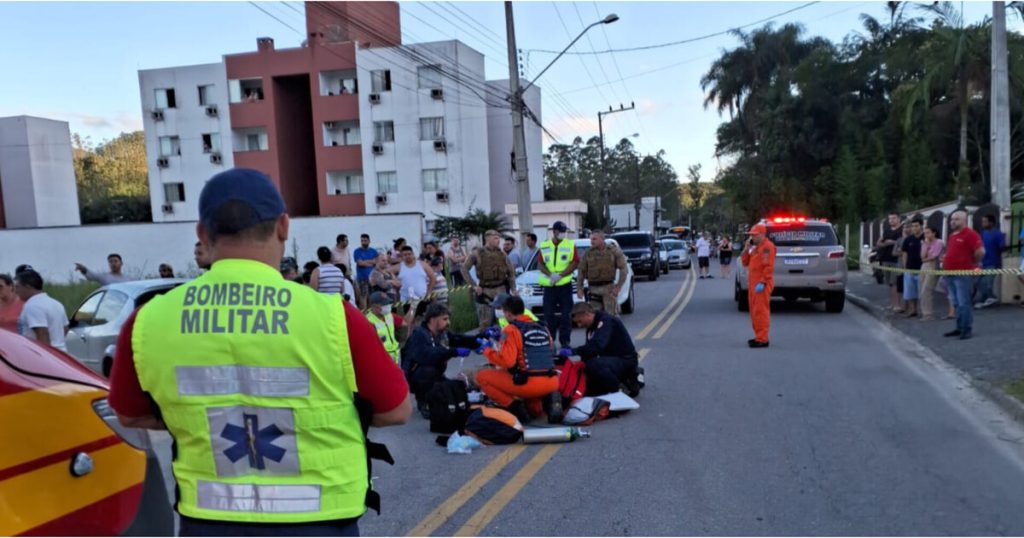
554	435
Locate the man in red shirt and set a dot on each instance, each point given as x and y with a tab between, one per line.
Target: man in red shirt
964	252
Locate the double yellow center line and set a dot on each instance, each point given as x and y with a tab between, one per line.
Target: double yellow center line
479	520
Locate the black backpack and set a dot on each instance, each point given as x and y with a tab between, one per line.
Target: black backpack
449	406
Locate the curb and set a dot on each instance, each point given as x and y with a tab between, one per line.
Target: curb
1007	403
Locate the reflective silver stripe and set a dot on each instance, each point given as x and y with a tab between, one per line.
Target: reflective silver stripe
234	379
257	497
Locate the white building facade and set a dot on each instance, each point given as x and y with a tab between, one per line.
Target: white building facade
37	173
188	135
499	146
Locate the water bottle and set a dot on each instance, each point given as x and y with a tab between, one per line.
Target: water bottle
554	435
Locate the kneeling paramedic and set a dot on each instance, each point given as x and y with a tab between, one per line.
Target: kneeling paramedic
609	357
266	386
387	323
427	351
524	361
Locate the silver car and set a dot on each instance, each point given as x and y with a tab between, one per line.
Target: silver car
98	320
677	253
809	263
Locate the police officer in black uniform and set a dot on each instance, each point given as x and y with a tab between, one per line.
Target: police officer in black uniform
609	356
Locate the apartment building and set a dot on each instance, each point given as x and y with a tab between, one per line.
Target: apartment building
353	122
188	135
37	174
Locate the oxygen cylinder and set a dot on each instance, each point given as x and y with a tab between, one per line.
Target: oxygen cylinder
554	435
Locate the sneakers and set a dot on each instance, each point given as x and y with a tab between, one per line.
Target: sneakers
966	335
954	332
757	344
632	385
987	303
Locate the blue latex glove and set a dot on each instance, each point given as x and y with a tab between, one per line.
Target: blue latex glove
493	333
759	287
565	352
462	352
484	344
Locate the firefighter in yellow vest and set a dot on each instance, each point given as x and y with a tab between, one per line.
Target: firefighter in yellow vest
558	261
495	274
597	270
266	386
387	323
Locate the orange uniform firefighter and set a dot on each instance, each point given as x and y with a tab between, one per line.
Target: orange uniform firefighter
524	361
759	259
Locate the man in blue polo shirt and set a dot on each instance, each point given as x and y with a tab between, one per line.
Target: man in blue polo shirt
365	258
994	241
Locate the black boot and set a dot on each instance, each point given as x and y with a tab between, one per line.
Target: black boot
518	408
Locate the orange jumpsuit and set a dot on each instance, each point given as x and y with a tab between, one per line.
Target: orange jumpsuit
497	383
760	263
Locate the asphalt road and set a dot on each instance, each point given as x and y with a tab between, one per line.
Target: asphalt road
841	427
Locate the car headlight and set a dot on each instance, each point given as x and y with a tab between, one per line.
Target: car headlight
135	437
645	255
524	290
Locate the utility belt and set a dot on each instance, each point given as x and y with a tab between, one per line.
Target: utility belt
599	283
520	377
374	451
498	284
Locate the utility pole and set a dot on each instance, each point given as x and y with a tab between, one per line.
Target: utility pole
518	134
604	168
1000	111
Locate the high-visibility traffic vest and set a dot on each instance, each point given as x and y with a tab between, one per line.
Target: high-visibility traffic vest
386	333
556	259
502	322
254	378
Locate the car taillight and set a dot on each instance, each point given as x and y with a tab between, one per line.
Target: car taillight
837	254
135	437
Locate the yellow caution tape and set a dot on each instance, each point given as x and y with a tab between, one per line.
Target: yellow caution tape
942	272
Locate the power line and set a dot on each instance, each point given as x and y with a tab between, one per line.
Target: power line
500	37
648	72
615	62
271	15
584	64
684	41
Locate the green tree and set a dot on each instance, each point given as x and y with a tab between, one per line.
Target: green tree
112	179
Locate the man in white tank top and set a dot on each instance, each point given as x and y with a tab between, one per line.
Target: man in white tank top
416	276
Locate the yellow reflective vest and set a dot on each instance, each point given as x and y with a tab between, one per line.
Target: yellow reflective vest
557	259
254	379
386	333
502	322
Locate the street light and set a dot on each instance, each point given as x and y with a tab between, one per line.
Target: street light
607	20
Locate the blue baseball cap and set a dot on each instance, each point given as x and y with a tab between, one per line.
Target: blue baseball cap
251	187
559	226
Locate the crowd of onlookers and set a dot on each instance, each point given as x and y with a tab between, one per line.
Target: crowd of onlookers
912	246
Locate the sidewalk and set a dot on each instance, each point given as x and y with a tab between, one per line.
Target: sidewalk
993	358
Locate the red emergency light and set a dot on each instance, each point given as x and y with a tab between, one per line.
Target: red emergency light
789	220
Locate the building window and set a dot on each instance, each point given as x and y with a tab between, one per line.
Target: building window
174	192
380	80
252	139
170	146
211	143
165	98
431	128
350	182
387	182
435	179
341	134
248	90
428	76
206	95
338	82
383	131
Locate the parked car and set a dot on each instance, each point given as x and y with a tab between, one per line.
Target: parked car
663	257
809	263
97	321
677	253
641	250
67	466
528	282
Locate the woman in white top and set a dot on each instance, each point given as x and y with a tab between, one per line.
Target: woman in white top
327	278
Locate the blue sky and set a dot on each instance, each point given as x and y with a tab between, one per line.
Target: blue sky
78	61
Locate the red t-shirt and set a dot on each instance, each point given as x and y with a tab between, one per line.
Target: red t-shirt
960	250
379	379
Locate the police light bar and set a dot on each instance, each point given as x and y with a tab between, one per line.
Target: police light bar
793	220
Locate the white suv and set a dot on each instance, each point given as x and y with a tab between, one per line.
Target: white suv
532	293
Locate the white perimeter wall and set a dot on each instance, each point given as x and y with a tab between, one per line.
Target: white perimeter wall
54	251
188	121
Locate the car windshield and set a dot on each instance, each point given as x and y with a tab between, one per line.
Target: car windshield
672	245
802	235
633	240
